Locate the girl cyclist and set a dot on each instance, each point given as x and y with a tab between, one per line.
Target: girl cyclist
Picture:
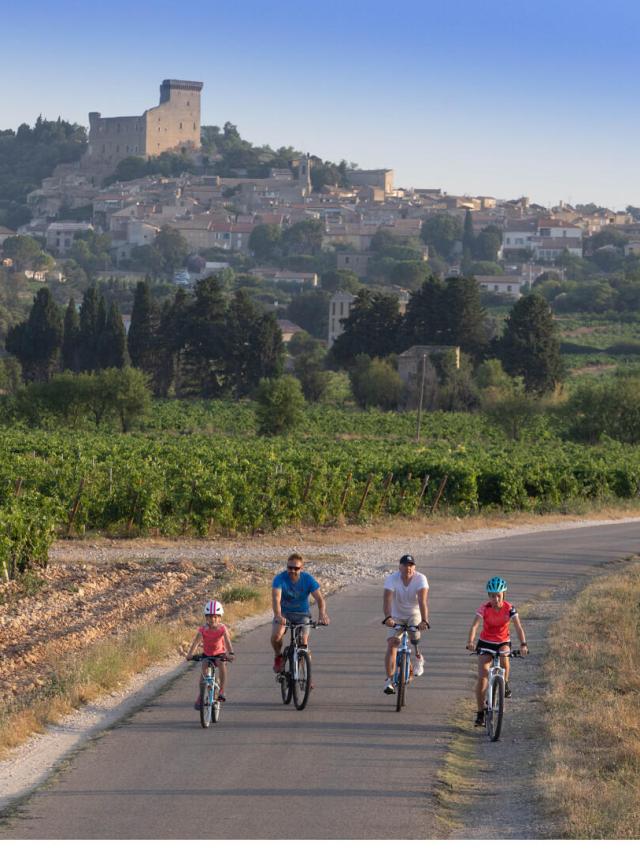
215	640
495	616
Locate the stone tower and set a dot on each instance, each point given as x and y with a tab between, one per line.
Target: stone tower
174	125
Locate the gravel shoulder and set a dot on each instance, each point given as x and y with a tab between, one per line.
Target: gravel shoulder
339	558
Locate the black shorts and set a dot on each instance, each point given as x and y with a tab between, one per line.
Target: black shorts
492	645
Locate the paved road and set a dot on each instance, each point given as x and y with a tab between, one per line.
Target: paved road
348	766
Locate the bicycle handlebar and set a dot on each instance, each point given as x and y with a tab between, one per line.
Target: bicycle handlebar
310	625
405	626
201	657
512	653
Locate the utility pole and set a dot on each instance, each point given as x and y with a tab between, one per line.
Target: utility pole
424	366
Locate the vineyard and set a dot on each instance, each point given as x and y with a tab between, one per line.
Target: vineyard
179	481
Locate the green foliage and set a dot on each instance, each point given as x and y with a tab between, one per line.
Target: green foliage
280	403
610	408
36	342
529	347
441	233
310	311
375	382
31	154
27	523
372	327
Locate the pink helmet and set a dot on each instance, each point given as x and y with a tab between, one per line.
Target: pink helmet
214	607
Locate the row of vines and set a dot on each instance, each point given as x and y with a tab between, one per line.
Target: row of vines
51	483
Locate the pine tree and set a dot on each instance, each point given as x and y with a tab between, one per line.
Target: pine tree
36	342
203	361
71	339
530	347
425	317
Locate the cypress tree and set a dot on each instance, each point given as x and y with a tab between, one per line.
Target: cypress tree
71	339
530	347
372	327
36	342
112	350
142	337
468	237
89	330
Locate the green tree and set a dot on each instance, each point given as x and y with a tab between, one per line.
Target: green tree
303	238
374	382
127	394
36	342
26	253
512	411
142	336
173	248
373	327
468	236
530	347
264	240
487	244
310	311
441	232
112	346
340	280
71	339
280	405
91	326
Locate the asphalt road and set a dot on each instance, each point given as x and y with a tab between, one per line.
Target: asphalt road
348	766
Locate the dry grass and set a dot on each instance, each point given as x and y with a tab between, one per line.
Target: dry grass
592	774
108	666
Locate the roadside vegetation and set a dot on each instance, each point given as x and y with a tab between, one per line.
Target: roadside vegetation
78	678
592	774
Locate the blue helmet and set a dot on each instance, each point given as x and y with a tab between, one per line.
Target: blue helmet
496	585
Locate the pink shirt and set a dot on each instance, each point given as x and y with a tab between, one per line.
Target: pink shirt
495	624
213	642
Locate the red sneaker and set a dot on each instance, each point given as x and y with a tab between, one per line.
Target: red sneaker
278	664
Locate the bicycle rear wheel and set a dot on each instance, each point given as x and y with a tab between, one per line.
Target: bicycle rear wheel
206	708
285	678
302	685
401	676
494	715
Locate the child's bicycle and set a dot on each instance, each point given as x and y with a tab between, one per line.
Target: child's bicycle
494	696
210	704
295	677
404	670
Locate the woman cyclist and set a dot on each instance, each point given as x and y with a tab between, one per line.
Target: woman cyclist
495	616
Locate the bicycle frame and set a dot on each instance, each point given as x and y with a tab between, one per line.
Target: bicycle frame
405	646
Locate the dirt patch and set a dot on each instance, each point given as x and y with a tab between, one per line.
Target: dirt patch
78	604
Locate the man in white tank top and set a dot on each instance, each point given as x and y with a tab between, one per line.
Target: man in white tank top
406	594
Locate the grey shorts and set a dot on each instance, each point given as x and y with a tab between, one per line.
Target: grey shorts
396	633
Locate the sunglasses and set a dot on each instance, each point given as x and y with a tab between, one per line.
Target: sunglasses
296	568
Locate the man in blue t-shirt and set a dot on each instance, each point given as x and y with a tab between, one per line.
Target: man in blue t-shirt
290	600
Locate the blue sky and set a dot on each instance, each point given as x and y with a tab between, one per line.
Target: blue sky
474	96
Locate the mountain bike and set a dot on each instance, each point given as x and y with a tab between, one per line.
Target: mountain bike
295	677
404	670
210	705
494	696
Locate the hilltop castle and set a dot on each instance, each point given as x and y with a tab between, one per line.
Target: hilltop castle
173	125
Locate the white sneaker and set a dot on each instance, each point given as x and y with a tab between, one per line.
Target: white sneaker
388	687
418	667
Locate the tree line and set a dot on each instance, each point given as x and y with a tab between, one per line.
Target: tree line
200	344
449	313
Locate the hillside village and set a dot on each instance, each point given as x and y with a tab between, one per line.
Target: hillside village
218	219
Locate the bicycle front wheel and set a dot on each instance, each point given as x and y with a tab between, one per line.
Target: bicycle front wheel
494	715
206	706
401	676
302	685
285	678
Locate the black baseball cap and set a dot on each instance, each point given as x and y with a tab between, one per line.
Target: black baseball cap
407	559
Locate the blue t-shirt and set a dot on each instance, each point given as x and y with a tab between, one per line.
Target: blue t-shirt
294	598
